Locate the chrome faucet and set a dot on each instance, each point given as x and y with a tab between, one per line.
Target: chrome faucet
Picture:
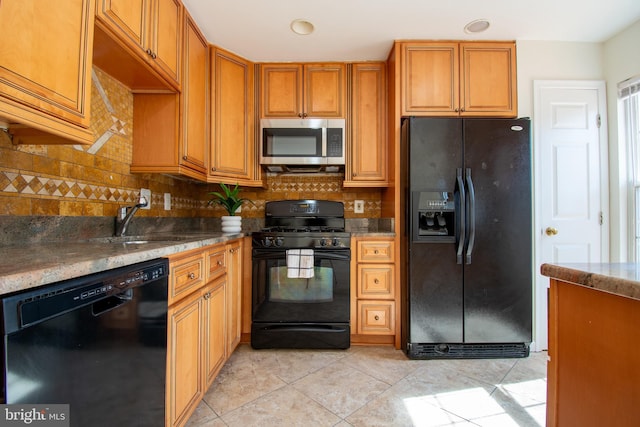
125	214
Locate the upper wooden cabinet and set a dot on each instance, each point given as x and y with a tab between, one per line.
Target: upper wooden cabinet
232	157
367	164
472	79
195	100
171	131
151	28
45	68
303	90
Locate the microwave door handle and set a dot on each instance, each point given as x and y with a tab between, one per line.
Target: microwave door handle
324	142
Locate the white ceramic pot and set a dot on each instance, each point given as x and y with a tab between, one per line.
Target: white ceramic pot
231	224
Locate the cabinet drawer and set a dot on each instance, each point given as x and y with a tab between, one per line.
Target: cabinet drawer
375	251
375	281
376	317
187	275
216	262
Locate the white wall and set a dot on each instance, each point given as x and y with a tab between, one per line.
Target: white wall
543	60
620	61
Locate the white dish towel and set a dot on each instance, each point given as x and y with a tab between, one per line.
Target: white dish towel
299	263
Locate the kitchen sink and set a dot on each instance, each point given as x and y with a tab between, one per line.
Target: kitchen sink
141	240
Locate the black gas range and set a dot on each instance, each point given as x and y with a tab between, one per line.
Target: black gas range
317	224
291	311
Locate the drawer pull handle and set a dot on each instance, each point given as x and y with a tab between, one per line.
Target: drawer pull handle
192	276
376	317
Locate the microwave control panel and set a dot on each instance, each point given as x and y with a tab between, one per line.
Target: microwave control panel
334	142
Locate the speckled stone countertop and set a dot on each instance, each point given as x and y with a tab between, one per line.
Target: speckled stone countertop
36	264
620	279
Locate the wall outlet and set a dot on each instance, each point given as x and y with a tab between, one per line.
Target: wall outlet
145	192
358	206
167	201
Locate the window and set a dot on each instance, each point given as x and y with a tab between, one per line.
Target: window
629	107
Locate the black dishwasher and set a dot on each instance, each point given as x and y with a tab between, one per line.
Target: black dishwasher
97	343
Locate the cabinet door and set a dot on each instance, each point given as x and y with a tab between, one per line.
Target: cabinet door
166	41
45	65
281	86
195	103
368	162
430	76
232	153
324	90
488	83
214	320
185	385
129	17
234	296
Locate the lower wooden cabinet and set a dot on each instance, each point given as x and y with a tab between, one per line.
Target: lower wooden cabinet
185	387
205	305
374	292
234	296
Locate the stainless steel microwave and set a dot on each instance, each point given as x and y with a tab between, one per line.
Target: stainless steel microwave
302	142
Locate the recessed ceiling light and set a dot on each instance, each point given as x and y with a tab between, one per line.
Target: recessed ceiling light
302	27
477	26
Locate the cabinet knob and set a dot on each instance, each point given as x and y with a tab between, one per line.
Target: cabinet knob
375	251
192	276
456	110
213	169
219	263
376	281
184	157
551	231
207	295
153	55
376	317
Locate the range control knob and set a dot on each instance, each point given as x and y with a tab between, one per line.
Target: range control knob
336	241
323	242
266	242
278	242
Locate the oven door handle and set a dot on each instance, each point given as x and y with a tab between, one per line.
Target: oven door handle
267	254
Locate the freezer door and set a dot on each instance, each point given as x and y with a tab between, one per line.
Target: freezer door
435	294
498	281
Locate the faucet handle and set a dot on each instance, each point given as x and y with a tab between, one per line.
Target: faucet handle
142	202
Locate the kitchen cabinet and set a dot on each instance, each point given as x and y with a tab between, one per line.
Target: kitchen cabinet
194	99
592	373
233	152
234	295
367	162
171	130
184	374
470	79
205	309
38	39
303	90
150	29
373	290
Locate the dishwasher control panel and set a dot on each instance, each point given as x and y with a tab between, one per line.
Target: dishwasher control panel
34	306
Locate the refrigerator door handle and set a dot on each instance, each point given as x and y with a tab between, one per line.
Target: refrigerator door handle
463	222
471	215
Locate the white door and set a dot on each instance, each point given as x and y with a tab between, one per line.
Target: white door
570	145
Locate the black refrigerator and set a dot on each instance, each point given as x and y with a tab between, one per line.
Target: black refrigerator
469	235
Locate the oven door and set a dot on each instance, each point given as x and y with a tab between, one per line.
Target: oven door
322	298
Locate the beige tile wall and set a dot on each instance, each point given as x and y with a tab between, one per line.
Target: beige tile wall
95	180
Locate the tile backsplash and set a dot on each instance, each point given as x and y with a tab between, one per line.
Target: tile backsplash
93	181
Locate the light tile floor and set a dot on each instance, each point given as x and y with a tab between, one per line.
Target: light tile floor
372	386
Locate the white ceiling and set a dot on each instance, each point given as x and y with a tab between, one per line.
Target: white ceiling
350	30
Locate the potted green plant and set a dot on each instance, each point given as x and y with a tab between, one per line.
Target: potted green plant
229	199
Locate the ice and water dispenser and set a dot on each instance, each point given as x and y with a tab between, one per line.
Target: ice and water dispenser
433	216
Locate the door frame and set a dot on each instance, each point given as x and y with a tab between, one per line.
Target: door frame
541	283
